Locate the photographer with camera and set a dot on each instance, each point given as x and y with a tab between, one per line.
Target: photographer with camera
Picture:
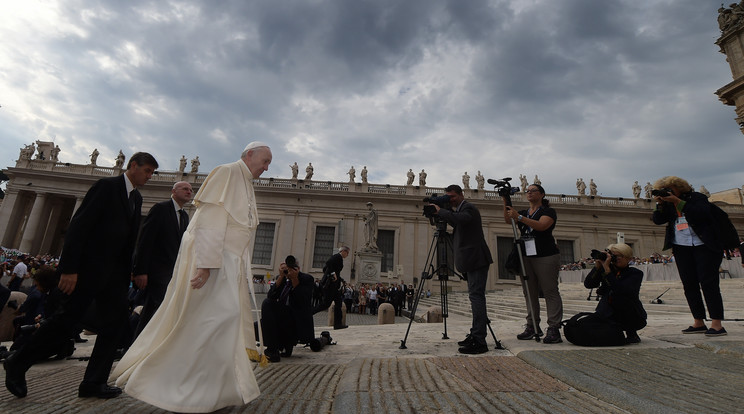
541	262
332	284
472	259
619	285
286	317
697	250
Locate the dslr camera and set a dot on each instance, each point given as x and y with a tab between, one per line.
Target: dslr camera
600	255
664	192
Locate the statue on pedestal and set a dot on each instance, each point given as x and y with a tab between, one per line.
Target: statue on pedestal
309	171
537	181
370	229
119	161
648	188
592	187
295	170
410	176
636	190
480	180
94	156
55	153
523	182
364	174
581	186
422	178
182	163
352	174
195	165
466	181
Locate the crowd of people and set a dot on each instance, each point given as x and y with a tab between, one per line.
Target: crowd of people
655	258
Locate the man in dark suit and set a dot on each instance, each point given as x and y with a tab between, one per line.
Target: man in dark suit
331	284
95	268
286	313
472	259
157	249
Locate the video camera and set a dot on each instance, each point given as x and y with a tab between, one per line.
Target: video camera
504	189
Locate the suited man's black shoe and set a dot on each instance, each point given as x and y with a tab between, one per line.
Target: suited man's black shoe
103	391
468	339
15	376
473	348
341	327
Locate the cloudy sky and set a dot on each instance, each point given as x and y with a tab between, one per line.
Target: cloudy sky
614	90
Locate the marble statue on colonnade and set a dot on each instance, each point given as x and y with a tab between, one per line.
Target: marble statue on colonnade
592	187
523	182
295	170
195	165
182	163
309	171
581	186
648	188
364	174
636	190
410	176
119	160
94	156
480	180
352	174
422	178
466	181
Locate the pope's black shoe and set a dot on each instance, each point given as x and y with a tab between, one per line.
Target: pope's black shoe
103	391
15	376
473	348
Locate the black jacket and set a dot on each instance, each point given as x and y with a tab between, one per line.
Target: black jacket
697	212
471	250
620	296
300	305
157	248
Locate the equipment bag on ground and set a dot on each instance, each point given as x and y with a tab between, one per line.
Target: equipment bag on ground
590	329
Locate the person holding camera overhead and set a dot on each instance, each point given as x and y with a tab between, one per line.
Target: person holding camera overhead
697	251
619	286
541	262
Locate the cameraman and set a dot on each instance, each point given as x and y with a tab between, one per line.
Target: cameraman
472	259
697	251
619	286
286	317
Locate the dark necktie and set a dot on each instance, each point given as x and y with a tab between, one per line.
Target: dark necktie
182	221
285	292
131	202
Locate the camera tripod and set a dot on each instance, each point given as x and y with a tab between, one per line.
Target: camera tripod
440	247
505	190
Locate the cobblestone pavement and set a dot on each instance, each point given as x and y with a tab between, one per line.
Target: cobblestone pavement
366	371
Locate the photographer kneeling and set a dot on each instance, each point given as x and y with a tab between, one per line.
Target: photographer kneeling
619	286
286	313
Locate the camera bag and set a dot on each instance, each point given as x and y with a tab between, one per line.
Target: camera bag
590	329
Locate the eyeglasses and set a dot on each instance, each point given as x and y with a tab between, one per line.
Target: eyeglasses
532	191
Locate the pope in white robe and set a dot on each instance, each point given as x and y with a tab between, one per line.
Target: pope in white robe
193	355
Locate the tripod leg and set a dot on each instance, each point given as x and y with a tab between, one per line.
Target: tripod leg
523	278
498	343
444	304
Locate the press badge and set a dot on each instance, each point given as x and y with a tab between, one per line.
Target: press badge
682	224
529	247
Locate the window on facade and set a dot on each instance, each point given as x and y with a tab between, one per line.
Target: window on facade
386	244
264	244
323	248
567	251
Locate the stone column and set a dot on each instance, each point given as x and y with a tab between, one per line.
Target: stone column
29	233
6	212
51	227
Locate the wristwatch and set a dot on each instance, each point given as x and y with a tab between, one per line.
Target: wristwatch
519	217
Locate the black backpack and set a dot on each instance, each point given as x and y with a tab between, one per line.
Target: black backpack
590	329
723	228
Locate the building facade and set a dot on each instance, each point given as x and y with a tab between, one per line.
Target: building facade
310	219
